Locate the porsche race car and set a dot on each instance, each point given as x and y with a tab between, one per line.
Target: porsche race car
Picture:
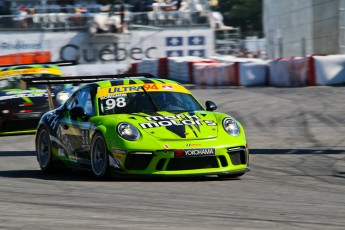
140	125
21	108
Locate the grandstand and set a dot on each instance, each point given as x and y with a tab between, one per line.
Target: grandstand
63	14
108	36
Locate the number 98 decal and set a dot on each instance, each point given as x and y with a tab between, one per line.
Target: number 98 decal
111	103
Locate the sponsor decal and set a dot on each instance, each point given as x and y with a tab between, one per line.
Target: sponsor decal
110	92
178	120
193	145
113	96
107	53
121	89
194	152
167	87
61	152
62	140
85	143
118	151
53	119
20	45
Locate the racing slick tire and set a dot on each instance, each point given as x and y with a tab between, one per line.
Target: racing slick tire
44	150
100	157
230	176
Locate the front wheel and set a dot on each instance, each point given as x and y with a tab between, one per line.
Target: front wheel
44	150
100	157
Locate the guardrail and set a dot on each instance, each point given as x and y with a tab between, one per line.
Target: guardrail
73	21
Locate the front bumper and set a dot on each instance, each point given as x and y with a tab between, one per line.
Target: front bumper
231	160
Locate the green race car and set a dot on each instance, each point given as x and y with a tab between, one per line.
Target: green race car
22	107
135	125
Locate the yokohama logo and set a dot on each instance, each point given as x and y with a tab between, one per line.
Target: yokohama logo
194	152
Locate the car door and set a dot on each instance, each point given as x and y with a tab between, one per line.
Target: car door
77	128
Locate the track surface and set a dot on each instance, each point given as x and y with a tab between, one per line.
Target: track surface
297	181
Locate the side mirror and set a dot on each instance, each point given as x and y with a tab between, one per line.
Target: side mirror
210	106
78	111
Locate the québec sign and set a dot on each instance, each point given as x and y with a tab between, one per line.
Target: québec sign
106	53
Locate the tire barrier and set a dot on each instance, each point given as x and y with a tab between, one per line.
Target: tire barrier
231	71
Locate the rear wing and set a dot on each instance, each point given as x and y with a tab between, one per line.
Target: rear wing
57	63
49	81
79	79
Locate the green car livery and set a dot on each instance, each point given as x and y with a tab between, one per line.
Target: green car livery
141	126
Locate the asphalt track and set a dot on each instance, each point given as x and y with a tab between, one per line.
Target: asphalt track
297	178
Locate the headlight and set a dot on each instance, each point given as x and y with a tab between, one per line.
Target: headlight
231	126
128	131
61	97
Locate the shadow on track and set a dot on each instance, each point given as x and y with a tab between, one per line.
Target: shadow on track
76	175
17	153
295	151
252	151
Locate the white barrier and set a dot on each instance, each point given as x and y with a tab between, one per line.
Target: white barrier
181	68
148	66
329	70
178	70
211	74
252	74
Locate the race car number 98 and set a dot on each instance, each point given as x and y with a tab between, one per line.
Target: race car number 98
118	102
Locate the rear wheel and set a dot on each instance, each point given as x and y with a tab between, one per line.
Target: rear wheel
44	151
100	157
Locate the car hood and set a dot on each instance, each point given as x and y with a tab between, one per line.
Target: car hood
168	125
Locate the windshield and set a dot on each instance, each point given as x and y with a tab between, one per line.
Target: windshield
140	102
13	82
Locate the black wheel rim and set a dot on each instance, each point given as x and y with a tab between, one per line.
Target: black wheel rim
43	149
99	156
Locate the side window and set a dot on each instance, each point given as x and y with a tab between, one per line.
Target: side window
82	99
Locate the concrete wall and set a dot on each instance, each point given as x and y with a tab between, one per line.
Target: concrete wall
301	27
326	26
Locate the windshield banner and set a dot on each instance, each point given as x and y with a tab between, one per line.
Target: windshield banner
104	93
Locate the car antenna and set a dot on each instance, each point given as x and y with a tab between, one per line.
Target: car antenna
155	107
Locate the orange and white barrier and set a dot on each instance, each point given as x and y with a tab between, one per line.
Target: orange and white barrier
289	72
233	74
230	71
308	71
204	71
